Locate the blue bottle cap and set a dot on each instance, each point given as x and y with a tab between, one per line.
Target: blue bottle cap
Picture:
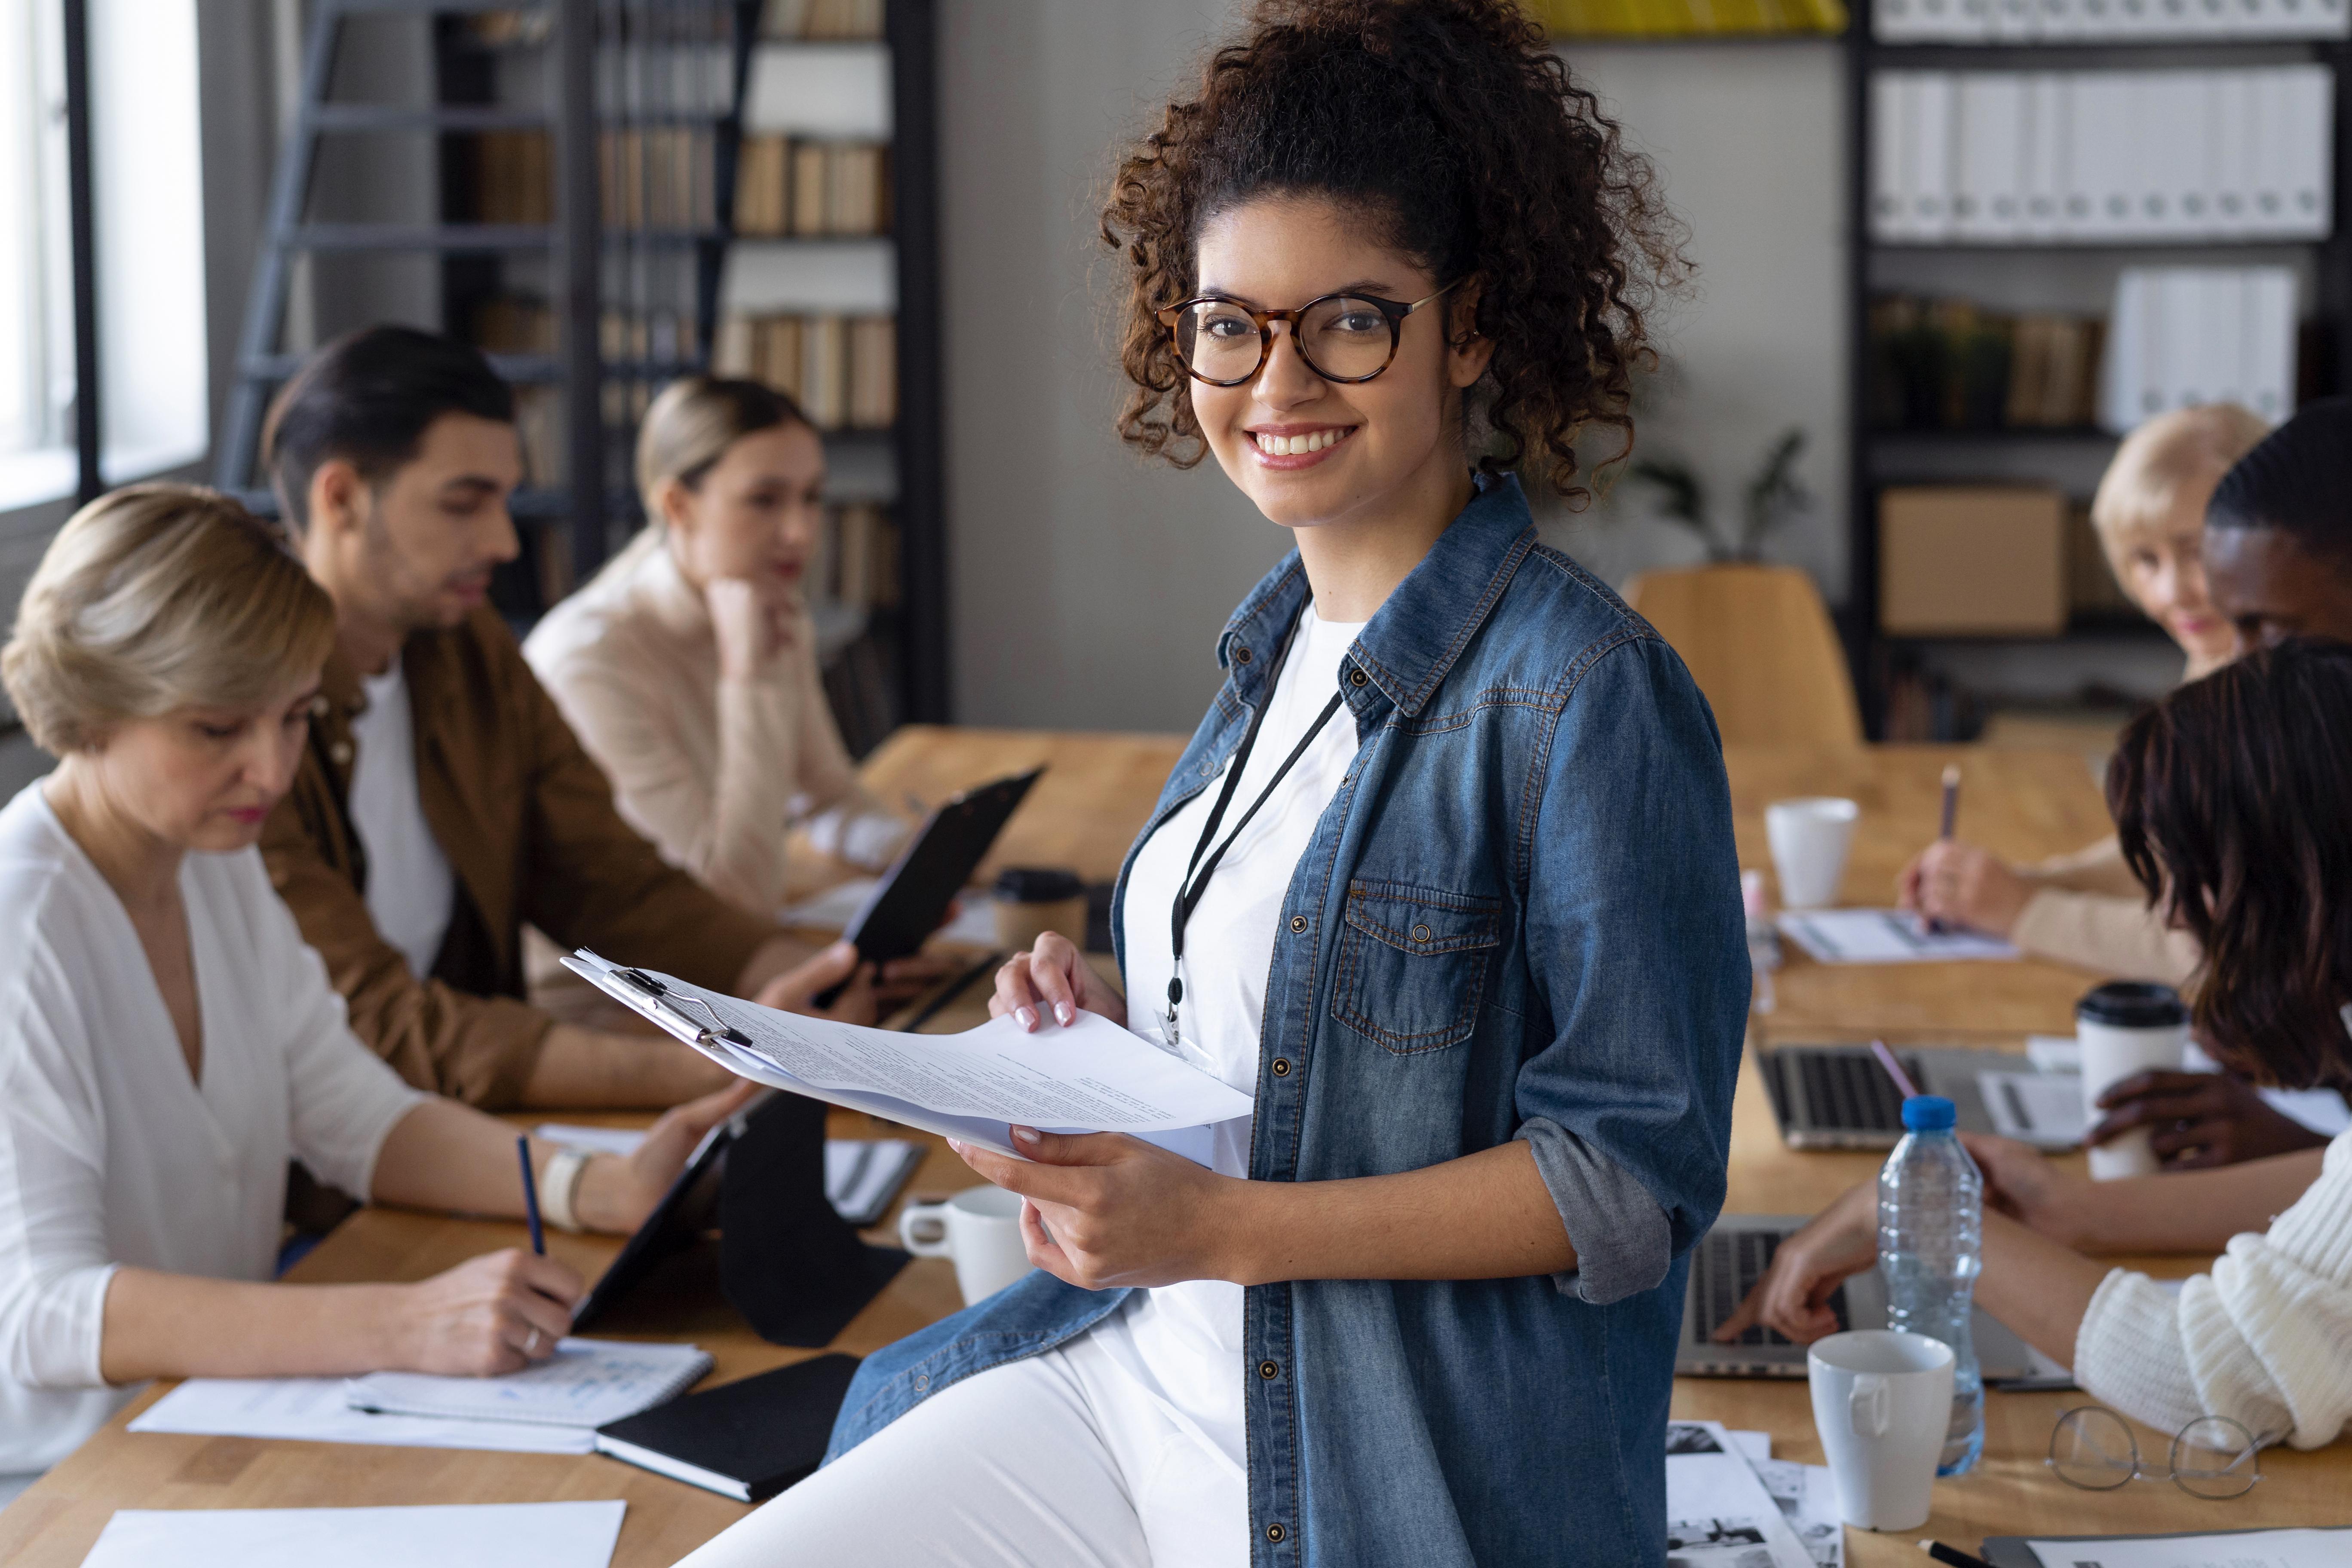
1928	1113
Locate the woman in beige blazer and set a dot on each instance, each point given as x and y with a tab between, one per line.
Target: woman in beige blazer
688	666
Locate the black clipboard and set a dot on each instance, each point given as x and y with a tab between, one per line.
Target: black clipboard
912	897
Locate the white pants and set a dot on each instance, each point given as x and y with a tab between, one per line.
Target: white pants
1011	1469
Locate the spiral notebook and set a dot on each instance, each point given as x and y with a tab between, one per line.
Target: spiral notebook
585	1384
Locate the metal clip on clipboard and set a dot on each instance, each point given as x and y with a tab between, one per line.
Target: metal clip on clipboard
667	1001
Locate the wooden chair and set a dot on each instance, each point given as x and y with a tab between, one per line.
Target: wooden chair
1758	642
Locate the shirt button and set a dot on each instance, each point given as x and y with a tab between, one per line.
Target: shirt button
1268	1371
319	706
922	1382
1281	1067
341	752
1298	925
1241	655
1275	1534
1355	677
1421	933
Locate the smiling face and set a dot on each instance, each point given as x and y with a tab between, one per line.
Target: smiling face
754	516
202	778
2269	588
2162	567
1315	453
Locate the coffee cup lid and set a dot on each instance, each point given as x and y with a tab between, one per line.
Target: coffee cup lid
2133	1005
1038	884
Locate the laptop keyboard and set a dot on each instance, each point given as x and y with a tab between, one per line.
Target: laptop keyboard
1724	1268
1848	1091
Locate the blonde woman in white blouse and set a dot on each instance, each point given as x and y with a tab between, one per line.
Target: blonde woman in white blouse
167	1041
688	666
2230	794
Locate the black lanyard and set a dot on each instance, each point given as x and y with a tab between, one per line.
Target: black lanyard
1196	873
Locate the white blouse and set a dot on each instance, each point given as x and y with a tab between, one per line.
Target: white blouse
110	1153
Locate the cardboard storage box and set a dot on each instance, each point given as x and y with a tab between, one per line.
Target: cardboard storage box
1972	560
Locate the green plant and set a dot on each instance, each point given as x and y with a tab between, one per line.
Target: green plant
1773	497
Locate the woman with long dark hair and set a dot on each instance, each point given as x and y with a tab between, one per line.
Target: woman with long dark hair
2230	798
1446	879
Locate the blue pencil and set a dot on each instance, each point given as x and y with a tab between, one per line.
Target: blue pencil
530	1196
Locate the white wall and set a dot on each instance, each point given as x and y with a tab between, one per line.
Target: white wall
1088	585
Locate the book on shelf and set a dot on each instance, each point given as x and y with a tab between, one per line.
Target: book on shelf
2184	336
657	177
1684	18
784	186
2104	21
842	371
821	19
514	175
1951	364
2098	157
514	324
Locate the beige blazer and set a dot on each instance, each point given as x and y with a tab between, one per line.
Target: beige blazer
2089	910
713	772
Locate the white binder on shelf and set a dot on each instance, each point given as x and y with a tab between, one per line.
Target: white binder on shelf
2100	202
2181	378
2230	173
2308	93
2122	371
2048	153
1989	171
2148	155
2059	22
1927	160
2016	21
2183	149
2221	364
1890	207
2270	341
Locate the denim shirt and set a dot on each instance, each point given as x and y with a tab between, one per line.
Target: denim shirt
1519	918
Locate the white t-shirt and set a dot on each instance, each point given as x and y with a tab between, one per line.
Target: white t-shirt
1177	1350
110	1154
410	888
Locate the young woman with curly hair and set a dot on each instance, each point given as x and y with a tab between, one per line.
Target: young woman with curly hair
2229	798
1446	879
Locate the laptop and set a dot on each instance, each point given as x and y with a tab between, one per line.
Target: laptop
1838	1096
1731	1258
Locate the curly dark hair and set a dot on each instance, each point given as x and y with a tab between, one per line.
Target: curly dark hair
1463	137
2229	800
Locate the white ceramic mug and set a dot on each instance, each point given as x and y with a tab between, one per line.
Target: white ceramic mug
1809	839
980	1229
2126	1026
1881	1403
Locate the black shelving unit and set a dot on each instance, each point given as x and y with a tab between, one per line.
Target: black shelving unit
1878	456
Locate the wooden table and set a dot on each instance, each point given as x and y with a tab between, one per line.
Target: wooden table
1095	792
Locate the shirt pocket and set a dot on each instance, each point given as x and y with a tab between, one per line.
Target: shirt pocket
1413	964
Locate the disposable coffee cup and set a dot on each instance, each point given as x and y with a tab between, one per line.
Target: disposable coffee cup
1033	900
1882	1404
2126	1026
1809	839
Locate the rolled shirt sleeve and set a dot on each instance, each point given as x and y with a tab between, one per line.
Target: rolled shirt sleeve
1633	914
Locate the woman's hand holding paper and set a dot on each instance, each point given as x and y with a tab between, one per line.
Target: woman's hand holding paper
1106	1210
1054	975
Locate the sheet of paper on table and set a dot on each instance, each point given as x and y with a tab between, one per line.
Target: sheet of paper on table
313	1410
2323	1110
2239	1549
447	1535
833	909
1717	1511
1091	1077
585	1384
1807	1495
1882	936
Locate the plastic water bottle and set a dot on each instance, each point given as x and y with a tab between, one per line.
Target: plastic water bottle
1930	1246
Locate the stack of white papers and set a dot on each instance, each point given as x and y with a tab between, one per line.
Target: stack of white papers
1090	1076
585	1384
1882	936
1719	1508
482	1535
314	1410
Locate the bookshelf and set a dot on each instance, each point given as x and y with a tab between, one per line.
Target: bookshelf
1906	690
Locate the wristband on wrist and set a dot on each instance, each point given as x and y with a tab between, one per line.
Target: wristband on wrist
560	1186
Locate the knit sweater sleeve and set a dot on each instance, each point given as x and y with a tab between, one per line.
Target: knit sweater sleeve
2266	1338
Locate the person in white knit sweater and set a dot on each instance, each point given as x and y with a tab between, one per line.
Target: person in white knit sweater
688	666
2230	797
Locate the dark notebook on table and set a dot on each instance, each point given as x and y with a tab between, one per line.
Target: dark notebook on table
747	1440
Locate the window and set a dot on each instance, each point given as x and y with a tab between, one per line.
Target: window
37	373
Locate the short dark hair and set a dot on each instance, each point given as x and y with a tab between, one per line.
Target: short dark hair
2297	481
367	398
2229	799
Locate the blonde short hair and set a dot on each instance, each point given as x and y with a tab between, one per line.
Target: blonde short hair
694	421
2166	458
157	598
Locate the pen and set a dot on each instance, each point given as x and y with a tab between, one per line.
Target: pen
1951	818
1894	1069
530	1196
1952	1554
